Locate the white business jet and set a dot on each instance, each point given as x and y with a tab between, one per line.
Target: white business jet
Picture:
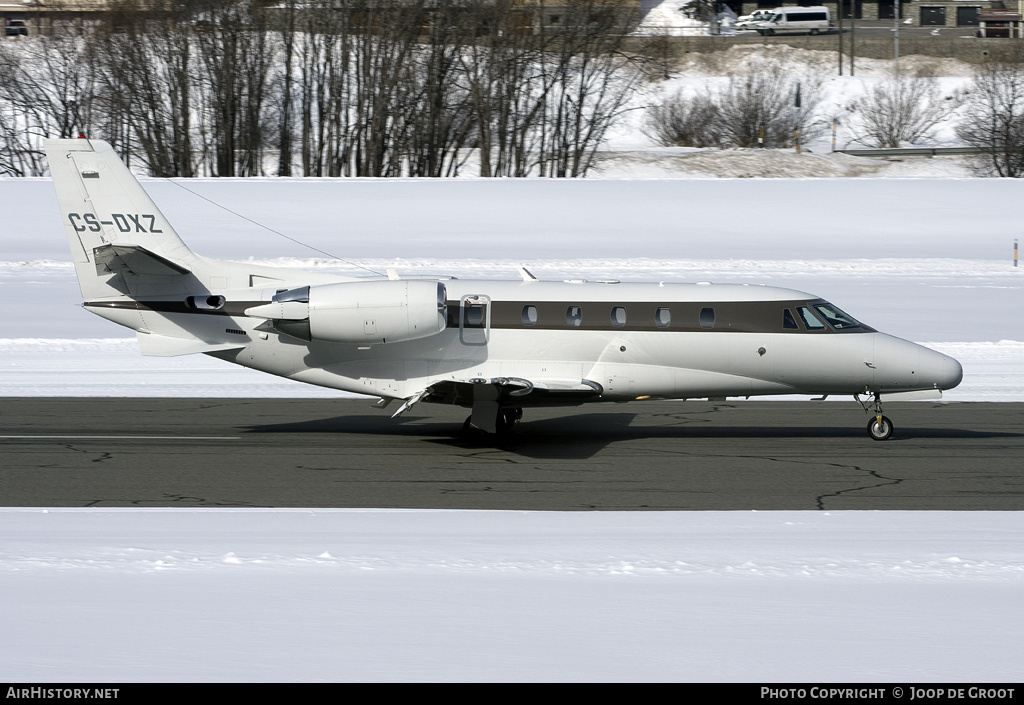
495	347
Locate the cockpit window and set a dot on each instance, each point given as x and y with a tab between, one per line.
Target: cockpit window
788	322
810	320
838	319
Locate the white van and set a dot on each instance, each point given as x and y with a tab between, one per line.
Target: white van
810	20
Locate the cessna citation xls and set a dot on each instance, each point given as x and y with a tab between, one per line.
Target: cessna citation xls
495	347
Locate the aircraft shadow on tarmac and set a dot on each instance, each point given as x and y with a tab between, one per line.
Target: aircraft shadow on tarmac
581	436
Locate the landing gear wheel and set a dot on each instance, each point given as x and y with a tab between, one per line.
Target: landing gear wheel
507	420
814	32
880	428
468	429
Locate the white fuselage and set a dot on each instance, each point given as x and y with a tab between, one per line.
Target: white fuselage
579	340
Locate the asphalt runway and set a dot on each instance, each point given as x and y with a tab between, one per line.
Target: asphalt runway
149	452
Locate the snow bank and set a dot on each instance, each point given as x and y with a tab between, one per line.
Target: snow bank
372	595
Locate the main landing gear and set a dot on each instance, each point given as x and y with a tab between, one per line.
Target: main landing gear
879	427
503	424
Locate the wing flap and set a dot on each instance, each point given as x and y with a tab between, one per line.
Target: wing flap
512	391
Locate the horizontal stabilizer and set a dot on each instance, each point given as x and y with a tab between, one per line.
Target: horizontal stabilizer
132	259
155	345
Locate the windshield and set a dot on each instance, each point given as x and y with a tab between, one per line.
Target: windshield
837	318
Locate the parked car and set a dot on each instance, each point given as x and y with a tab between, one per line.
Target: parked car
749	21
804	20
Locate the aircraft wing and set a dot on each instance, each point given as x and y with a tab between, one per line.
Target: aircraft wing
487	396
508	390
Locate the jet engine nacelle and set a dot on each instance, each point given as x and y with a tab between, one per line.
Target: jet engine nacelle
362	313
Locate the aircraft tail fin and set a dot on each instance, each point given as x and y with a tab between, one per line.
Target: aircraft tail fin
118	237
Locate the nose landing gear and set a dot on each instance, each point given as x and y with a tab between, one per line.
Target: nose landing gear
879	427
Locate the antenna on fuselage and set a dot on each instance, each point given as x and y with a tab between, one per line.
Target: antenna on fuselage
278	232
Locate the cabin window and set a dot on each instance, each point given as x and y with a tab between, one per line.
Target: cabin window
574	316
662	318
810	320
707	318
618	316
788	322
474	316
529	315
838	319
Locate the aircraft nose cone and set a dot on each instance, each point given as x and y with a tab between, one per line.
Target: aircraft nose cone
903	365
949	372
938	370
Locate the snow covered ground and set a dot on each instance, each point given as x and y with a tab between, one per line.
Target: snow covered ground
110	595
348	595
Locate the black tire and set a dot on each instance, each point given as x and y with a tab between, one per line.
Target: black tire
880	431
468	429
507	420
814	33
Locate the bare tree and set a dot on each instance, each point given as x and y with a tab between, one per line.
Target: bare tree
504	73
49	91
592	78
763	106
993	119
235	52
344	87
901	110
149	86
318	31
749	111
289	21
17	157
442	119
684	121
662	52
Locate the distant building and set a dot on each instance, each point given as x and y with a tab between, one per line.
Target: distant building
921	13
37	16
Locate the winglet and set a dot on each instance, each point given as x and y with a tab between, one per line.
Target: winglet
527	275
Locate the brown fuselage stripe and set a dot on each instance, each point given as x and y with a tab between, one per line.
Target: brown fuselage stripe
729	316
